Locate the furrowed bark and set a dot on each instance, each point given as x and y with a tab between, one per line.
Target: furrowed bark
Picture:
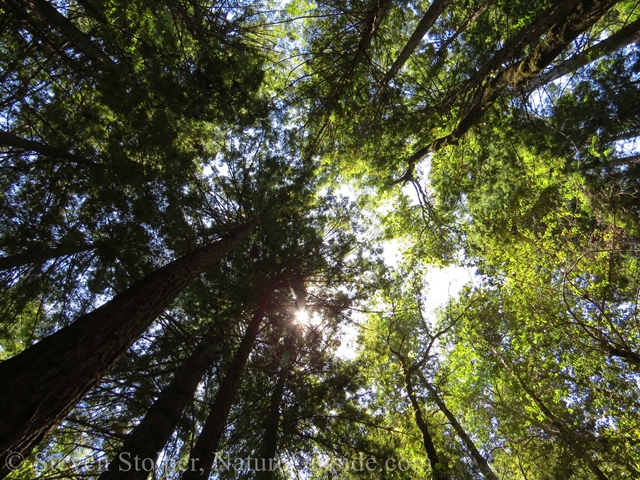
203	453
623	37
427	21
42	384
41	255
518	75
154	431
481	462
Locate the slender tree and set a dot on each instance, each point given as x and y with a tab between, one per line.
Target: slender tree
150	436
203	453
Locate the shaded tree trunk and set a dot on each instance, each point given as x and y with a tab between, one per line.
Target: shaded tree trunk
481	462
437	468
623	37
41	255
372	23
512	48
41	11
152	434
42	384
272	424
8	139
203	454
427	21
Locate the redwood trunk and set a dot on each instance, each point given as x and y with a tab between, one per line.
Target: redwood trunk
42	384
41	256
203	453
625	36
270	440
519	74
434	11
153	433
266	470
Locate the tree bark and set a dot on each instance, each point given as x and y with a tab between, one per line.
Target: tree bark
272	424
203	454
372	22
558	12
427	21
41	255
518	75
481	462
152	434
623	37
42	384
8	139
49	15
437	468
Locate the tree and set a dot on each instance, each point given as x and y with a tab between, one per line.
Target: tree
359	150
89	347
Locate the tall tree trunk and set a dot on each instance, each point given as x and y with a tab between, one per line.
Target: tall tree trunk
203	453
272	424
152	434
8	139
518	75
512	48
623	37
42	384
438	470
42	12
481	462
434	11
372	23
37	256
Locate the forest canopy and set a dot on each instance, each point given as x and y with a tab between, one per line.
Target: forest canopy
226	229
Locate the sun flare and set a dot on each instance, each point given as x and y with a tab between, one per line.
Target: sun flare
302	316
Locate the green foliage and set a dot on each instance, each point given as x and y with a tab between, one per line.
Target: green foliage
135	132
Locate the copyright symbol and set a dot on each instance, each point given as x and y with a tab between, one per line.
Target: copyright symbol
13	460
